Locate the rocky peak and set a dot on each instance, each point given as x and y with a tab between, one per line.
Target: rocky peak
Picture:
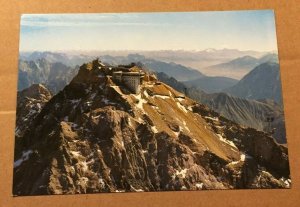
36	91
97	136
30	102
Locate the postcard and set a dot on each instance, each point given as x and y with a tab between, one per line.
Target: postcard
139	102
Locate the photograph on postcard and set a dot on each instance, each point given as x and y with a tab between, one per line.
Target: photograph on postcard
139	102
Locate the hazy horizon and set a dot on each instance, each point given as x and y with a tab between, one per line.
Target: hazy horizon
189	31
136	50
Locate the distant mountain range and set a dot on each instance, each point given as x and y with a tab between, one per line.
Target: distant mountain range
178	71
190	76
263	82
239	67
54	57
55	75
198	60
250	113
55	70
191	58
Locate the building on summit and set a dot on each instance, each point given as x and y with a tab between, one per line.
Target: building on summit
132	80
129	75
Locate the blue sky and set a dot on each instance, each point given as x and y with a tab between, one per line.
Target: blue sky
244	30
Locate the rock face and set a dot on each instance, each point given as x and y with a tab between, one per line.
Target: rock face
263	82
54	75
250	113
95	136
30	102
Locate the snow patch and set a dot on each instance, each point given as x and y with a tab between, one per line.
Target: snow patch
185	126
176	133
75	101
57	105
101	182
146	94
183	187
154	129
31	112
136	190
39	106
24	157
52	133
181	107
226	141
75	153
129	122
190	108
220	127
74	126
141	101
181	173
17	131
107	102
265	172
84	166
243	157
83	180
97	116
119	191
161	96
199	185
180	99
88	103
287	182
93	96
212	118
234	162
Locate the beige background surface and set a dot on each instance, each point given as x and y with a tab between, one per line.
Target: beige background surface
288	33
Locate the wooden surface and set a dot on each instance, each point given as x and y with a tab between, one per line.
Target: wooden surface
288	23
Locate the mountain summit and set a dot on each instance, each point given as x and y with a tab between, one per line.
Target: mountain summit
100	135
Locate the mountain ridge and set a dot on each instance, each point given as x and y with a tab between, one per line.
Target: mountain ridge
240	66
95	136
263	82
